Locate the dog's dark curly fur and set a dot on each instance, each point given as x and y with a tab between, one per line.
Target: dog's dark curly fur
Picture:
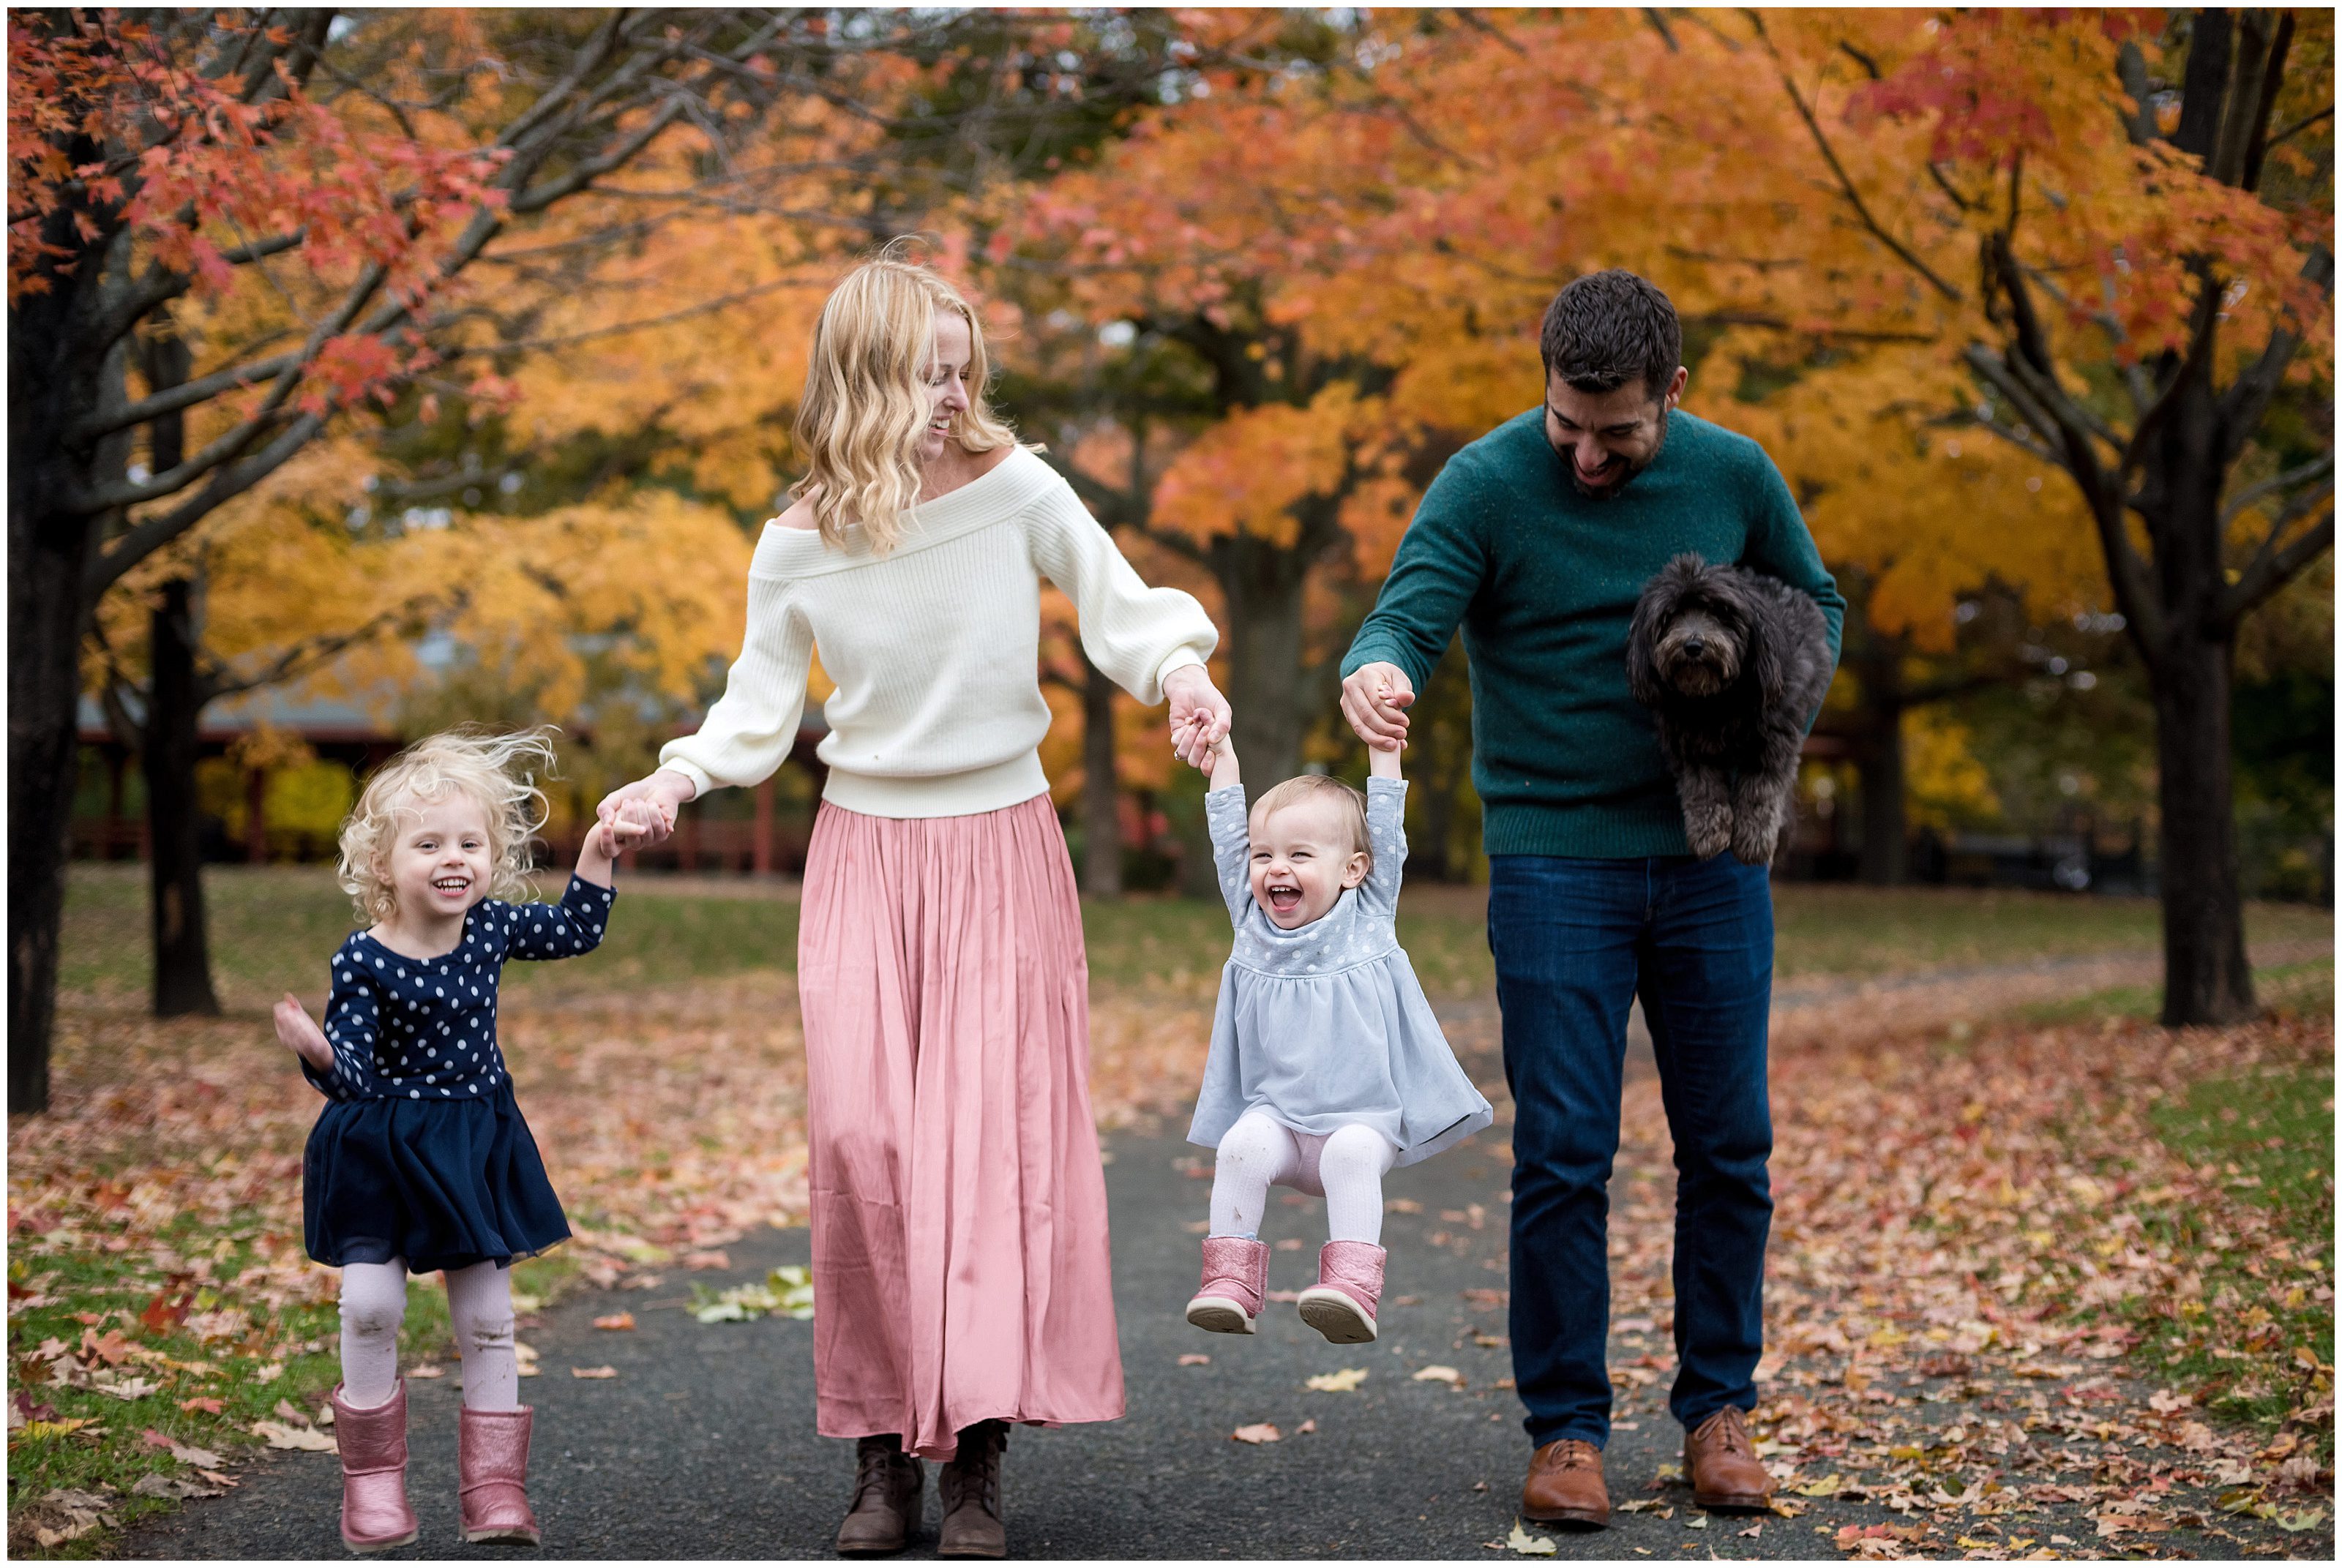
1734	663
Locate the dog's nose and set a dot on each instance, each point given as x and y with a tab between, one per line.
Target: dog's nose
1694	646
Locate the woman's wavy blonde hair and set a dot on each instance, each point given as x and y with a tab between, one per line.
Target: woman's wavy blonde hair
469	760
863	413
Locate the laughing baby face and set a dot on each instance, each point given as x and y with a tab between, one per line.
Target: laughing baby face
1304	855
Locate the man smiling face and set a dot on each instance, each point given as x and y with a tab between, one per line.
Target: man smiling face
1608	438
1611	348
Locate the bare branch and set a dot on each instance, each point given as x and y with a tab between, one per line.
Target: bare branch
2272	569
142	540
2317	469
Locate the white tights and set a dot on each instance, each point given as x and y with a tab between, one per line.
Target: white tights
479	1302
1346	1166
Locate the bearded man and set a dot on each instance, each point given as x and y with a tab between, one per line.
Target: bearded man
1539	538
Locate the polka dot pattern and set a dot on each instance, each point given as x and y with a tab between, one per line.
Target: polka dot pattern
425	1028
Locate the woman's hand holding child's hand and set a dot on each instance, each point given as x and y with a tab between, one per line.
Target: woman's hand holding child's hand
635	823
301	1034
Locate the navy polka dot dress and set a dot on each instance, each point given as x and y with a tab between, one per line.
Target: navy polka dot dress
421	1153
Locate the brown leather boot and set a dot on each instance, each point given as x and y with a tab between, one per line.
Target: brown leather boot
886	1506
970	1489
1565	1486
1720	1460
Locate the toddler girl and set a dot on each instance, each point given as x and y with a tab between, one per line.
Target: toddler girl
1328	1067
420	1160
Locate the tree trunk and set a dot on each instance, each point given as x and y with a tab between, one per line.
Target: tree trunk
1262	584
54	382
1101	799
1879	759
2206	977
182	971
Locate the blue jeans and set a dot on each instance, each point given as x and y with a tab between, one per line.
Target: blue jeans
1575	942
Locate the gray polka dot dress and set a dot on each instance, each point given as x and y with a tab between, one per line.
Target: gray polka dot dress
421	1152
1327	1025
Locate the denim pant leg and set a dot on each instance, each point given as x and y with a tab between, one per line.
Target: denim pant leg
1564	933
1706	991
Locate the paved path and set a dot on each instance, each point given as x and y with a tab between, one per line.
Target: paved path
703	1446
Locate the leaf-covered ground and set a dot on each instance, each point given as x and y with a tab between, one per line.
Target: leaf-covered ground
2029	1248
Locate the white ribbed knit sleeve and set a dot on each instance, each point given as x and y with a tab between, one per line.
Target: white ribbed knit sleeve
748	733
1136	634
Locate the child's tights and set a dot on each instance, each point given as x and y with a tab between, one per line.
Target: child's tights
479	1304
1346	1166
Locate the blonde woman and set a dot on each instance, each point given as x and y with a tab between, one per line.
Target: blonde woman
959	1217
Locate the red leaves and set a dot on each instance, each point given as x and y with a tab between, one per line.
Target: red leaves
168	1309
346	370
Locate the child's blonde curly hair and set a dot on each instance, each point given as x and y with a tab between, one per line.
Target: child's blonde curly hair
475	761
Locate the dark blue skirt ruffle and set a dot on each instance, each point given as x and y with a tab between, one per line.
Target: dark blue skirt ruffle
442	1186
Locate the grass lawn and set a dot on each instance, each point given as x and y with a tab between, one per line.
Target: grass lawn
273	928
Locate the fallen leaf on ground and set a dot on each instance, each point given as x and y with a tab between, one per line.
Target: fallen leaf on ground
202	1458
525	1355
616	1320
1196	1358
1342	1381
714	1258
1447	1374
155	1483
1285	1295
595	1372
1305	1427
785	1291
426	1370
204	1402
280	1435
1529	1545
1260	1432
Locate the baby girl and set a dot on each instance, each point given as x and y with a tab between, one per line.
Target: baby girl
1328	1067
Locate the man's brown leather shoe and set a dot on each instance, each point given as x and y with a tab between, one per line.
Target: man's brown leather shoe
886	1506
1721	1462
1566	1487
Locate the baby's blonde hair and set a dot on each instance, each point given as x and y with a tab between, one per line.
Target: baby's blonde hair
862	416
1311	788
469	760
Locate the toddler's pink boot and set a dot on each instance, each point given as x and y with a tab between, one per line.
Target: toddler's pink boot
374	1513
1235	1278
1341	1304
492	1476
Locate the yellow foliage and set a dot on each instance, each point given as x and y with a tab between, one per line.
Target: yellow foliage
1943	785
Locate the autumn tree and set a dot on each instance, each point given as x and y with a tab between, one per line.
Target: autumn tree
302	203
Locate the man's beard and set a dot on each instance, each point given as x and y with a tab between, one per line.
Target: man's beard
1632	465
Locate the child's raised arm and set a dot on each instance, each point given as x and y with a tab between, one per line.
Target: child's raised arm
632	822
1223	815
1382	763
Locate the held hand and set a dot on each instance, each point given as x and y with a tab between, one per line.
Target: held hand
300	1034
1375	700
657	800
1199	715
635	823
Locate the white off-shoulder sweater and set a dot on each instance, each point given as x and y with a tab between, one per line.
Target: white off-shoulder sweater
935	647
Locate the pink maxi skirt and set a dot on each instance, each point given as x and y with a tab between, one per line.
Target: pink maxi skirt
960	1264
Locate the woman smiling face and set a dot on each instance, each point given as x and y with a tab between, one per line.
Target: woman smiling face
944	383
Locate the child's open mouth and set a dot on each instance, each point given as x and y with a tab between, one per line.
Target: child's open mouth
451	886
1284	897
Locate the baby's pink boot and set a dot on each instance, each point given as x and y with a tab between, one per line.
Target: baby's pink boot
372	1443
1236	1276
492	1476
1341	1304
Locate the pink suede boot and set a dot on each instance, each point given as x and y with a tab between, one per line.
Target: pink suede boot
492	1476
1236	1276
375	1514
1341	1304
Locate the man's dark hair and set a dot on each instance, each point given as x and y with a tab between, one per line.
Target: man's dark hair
1606	328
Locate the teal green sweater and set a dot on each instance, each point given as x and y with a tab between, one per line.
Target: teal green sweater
1544	581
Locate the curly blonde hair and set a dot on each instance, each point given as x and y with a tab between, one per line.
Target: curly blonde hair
862	416
1313	787
477	762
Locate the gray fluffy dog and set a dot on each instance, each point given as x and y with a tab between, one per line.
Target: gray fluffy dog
1734	663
